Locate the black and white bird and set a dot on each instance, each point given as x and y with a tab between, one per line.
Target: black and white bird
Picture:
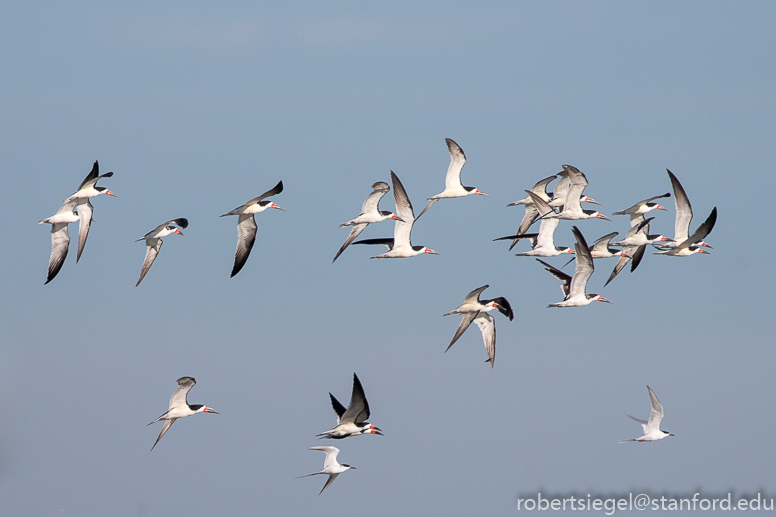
572	207
693	243
85	191
573	288
600	249
179	407
351	421
634	245
153	241
60	238
453	186
330	465
651	427
370	213
475	310
246	224
641	208
401	245
682	222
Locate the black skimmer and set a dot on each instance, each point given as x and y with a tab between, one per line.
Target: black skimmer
351	421
572	208
683	216
634	245
60	238
694	242
543	243
179	407
641	208
153	241
246	224
370	213
574	287
400	246
600	249
562	189
87	190
651	427
475	310
330	465
453	186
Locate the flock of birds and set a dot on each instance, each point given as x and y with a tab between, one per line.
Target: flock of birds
564	203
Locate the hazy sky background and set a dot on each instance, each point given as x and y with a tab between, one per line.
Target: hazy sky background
199	106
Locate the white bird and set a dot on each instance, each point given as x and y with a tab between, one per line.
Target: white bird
600	249
400	246
370	213
60	238
558	198
330	465
351	421
694	242
641	208
572	208
179	407
246	224
573	288
543	243
475	310
87	190
651	428
683	217
153	241
453	186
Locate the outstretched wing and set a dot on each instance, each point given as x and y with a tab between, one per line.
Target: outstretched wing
152	250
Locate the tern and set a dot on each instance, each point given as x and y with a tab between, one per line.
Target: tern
179	407
694	242
543	243
330	465
683	216
475	310
87	190
572	208
246	224
400	246
600	249
641	208
369	214
651	428
574	287
153	240
351	421
453	186
60	238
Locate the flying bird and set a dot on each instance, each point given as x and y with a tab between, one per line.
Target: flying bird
543	243
351	421
87	190
600	249
634	245
651	428
475	310
370	213
531	212
330	465
572	208
453	186
246	224
401	245
694	242
60	238
574	287
683	216
153	240
641	208
179	407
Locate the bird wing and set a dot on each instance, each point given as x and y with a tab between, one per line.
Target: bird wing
60	242
584	267
602	244
354	232
531	215
329	481
93	176
165	427
246	237
403	227
339	409
277	189
504	307
381	188
642	422
152	250
683	210
179	396
657	412
457	160
474	295
546	237
540	188
638	205
85	210
358	410
331	454
702	231
488	328
560	275
466	320
637	256
622	262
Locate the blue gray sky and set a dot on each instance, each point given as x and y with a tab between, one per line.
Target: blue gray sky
199	106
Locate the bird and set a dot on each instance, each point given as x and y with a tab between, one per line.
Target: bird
475	310
558	199
543	243
351	421
330	465
400	246
87	190
641	208
153	240
60	238
453	186
179	407
694	242
531	212
638	234
600	249
683	216
634	245
651	428
246	224
369	214
572	208
574	287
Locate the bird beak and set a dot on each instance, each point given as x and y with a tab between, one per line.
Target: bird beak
701	250
397	218
275	205
705	245
602	299
431	251
179	233
602	216
110	193
570	251
591	200
211	410
661	207
481	193
666	239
